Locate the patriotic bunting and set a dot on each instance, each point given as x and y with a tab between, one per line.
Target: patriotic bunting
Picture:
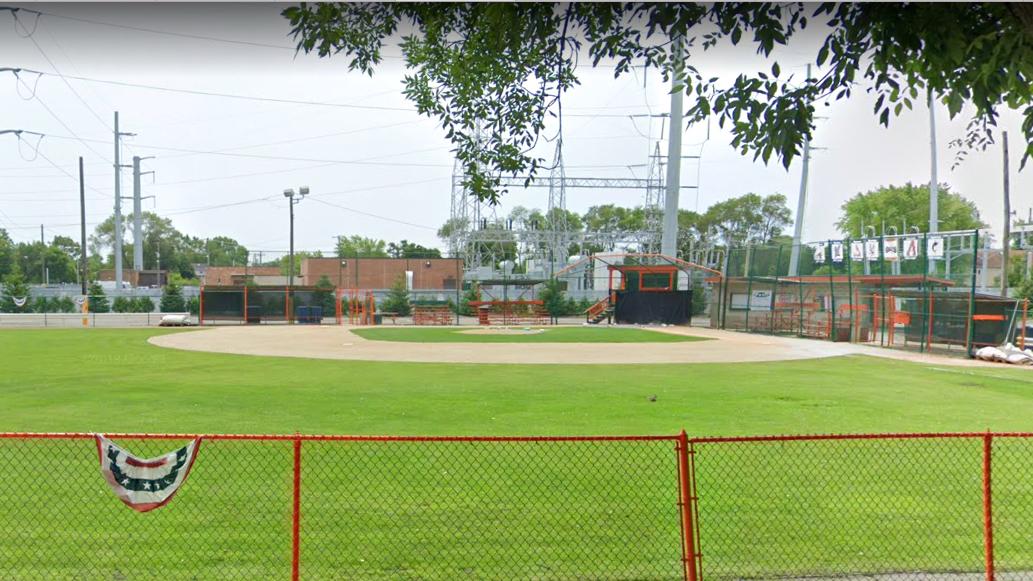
145	485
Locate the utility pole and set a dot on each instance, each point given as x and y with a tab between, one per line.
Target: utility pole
138	214
934	186
118	203
801	205
291	201
669	236
82	228
118	208
1006	243
43	256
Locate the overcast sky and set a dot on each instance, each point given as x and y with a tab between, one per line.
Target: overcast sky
398	182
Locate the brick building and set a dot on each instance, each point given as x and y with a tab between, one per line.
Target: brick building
381	273
238	275
136	278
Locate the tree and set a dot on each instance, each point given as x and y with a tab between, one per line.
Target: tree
143	305
748	219
15	287
397	299
553	299
491	73
7	254
406	249
122	305
172	299
906	206
360	247
472	294
32	256
98	300
224	251
284	261
178	251
324	295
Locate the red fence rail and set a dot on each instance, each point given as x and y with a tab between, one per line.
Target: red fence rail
352	507
908	505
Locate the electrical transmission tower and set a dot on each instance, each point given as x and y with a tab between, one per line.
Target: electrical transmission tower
476	235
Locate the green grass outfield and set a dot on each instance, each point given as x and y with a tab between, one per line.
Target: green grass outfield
446	511
544	335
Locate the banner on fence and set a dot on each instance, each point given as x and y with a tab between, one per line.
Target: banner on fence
145	484
819	253
911	248
837	252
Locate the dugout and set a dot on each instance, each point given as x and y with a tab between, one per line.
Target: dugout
264	304
914	291
637	288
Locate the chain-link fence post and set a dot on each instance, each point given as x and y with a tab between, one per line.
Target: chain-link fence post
685	504
988	523
296	514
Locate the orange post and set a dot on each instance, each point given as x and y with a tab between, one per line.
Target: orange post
988	520
685	504
296	514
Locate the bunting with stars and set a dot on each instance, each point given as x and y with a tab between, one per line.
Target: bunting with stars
145	485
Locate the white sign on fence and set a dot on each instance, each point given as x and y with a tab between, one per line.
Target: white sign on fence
871	249
761	300
857	250
934	247
891	248
819	253
837	252
911	246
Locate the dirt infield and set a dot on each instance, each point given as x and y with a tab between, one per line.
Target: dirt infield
333	342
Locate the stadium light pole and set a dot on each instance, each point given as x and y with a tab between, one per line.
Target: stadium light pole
291	201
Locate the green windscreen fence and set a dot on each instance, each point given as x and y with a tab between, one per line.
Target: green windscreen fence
268	304
913	291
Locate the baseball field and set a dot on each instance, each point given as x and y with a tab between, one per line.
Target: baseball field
480	510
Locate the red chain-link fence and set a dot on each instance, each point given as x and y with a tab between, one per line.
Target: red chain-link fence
899	506
334	507
890	506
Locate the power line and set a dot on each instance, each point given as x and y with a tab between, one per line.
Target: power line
35	96
283	158
163	32
377	216
63	79
224	95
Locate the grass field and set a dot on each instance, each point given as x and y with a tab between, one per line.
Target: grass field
450	511
542	335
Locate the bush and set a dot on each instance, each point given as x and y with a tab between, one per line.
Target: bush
471	294
143	305
397	299
194	305
122	305
172	299
699	300
552	298
14	285
98	300
64	305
